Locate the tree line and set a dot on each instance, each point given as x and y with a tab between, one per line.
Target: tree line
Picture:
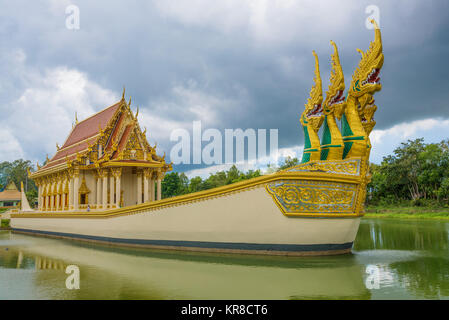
416	172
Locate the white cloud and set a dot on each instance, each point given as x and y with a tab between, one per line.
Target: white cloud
44	110
265	21
385	141
10	148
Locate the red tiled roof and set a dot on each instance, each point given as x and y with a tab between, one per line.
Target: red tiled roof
89	127
83	130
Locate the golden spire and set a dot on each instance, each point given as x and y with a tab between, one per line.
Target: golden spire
123	93
137	112
76	117
129	102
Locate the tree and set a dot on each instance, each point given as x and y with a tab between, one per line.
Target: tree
289	162
17	171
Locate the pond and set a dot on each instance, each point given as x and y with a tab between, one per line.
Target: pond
391	259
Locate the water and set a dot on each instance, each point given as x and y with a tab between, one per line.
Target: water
392	259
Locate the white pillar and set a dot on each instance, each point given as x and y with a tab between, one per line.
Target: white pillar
145	185
105	189
139	187
71	193
151	182
98	192
111	191
75	190
118	179
159	185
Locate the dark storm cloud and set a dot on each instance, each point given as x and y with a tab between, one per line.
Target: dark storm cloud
252	72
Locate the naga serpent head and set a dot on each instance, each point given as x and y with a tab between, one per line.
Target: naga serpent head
335	101
365	79
313	113
366	110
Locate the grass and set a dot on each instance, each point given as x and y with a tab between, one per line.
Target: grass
407	212
5	224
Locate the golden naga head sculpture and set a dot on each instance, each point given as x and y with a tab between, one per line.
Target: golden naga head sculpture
365	79
313	113
335	100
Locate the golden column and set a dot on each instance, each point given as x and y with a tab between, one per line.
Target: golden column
117	173
47	200
58	193
64	192
76	177
70	178
52	194
111	190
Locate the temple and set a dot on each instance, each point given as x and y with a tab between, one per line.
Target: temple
10	196
105	163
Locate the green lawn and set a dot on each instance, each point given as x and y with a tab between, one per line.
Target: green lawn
408	212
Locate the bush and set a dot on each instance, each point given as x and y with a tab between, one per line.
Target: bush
4	223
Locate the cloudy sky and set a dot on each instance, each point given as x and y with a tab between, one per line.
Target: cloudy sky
230	64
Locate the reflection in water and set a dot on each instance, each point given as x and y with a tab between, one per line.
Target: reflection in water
411	258
402	235
117	273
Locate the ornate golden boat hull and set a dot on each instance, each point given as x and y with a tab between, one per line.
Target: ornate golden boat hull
310	209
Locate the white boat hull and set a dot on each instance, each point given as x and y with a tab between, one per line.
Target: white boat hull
246	221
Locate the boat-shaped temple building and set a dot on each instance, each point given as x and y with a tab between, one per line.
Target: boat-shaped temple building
313	208
106	162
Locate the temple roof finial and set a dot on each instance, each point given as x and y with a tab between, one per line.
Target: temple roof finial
76	117
123	93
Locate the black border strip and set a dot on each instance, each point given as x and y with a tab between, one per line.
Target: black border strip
200	244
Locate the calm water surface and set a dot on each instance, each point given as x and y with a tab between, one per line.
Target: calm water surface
392	259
